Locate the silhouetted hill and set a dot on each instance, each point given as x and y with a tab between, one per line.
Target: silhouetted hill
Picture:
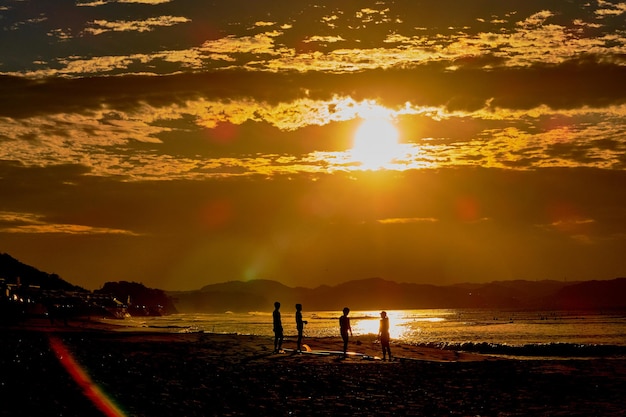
11	270
140	299
377	293
236	296
592	295
513	294
47	287
364	294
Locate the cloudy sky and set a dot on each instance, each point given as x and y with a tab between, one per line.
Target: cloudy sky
180	143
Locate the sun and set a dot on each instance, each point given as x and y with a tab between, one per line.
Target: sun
375	143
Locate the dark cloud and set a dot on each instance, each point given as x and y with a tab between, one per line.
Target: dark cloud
570	85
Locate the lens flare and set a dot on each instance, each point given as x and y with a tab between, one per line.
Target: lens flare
82	378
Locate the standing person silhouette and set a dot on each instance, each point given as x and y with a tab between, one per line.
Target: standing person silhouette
299	326
278	329
383	334
344	326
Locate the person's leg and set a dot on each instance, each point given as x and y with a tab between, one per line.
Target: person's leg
384	343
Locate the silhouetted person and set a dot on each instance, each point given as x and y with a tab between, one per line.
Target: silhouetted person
278	328
344	326
383	334
299	325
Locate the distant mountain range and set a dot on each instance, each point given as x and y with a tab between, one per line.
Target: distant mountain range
365	294
377	293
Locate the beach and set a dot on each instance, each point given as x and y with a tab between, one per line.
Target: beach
90	368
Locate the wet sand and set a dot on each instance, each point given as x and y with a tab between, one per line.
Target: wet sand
91	369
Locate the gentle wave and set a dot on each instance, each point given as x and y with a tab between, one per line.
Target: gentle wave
569	350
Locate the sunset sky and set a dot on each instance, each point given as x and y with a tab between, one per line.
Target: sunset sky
180	143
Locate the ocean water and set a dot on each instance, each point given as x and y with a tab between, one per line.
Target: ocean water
520	333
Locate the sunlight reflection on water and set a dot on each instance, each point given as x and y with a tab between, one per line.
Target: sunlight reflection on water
417	326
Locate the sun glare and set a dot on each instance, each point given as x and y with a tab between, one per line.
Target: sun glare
375	143
397	323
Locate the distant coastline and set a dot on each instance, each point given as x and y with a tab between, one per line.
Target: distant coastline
365	294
